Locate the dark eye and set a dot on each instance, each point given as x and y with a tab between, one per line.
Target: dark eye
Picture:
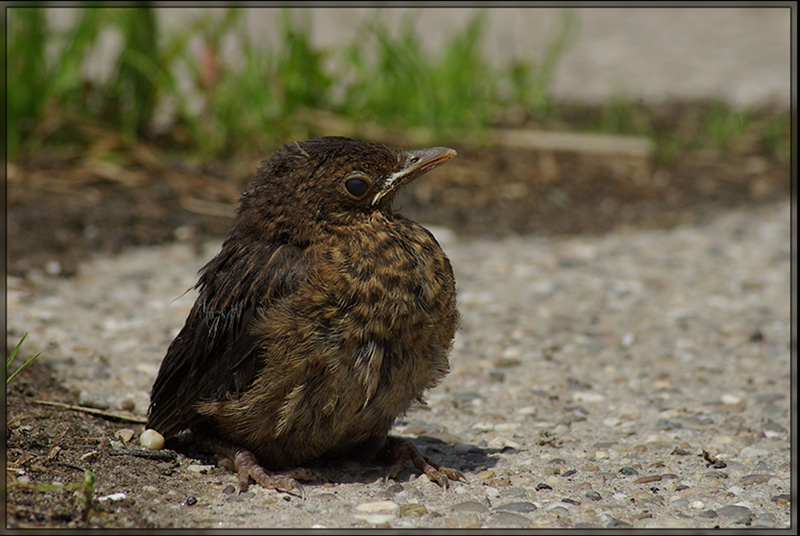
356	186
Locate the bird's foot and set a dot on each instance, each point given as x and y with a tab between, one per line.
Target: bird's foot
402	450
246	466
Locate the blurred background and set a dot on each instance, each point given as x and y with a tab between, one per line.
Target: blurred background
131	126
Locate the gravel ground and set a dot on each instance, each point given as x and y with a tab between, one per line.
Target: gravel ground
641	378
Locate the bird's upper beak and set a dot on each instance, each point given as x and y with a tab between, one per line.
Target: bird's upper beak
414	164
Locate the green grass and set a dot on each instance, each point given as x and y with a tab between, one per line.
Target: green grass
11	358
256	97
397	83
87	488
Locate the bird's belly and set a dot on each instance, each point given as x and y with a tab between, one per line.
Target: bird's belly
355	396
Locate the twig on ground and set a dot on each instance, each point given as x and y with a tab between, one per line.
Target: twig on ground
162	455
93	411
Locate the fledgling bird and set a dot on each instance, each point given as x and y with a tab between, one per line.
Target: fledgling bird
322	318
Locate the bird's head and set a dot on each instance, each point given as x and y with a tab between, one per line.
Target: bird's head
331	181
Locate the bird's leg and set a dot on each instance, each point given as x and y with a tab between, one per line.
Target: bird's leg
401	451
246	465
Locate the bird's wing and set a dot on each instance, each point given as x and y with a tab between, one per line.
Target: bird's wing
215	355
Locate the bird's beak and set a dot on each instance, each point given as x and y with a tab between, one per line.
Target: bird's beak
414	164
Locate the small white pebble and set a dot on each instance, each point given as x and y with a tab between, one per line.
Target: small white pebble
377	506
196	468
113	497
627	340
125	434
151	440
588	396
729	399
506	426
501	442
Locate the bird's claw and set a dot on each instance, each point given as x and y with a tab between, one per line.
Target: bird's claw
403	450
247	467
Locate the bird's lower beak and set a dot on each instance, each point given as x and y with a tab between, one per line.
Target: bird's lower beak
415	163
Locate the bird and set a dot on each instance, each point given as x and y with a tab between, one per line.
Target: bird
323	317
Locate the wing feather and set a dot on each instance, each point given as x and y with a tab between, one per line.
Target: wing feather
215	356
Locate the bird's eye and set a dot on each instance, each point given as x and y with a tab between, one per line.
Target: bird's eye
357	186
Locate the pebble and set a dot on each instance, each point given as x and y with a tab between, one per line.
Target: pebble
755	479
491	491
520	507
151	440
628	471
113	497
90	400
647	479
730	400
201	469
229	489
470	506
588	396
508	519
773	429
556	505
377	506
765	521
485	475
467	520
593	495
412	510
735	513
501	442
527	410
513	492
124	434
